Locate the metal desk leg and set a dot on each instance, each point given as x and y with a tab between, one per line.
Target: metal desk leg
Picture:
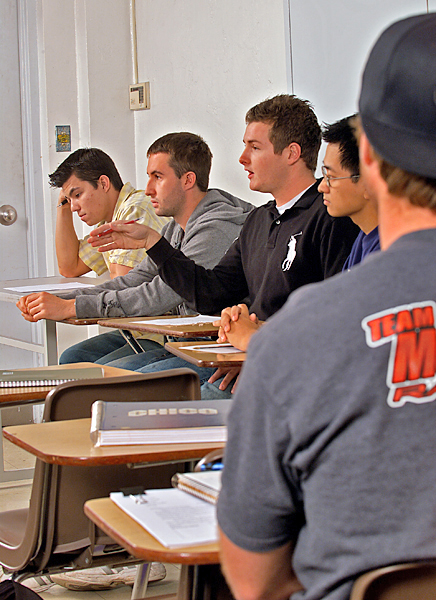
141	581
50	343
131	340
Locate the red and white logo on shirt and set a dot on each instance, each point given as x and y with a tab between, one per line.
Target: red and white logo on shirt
411	331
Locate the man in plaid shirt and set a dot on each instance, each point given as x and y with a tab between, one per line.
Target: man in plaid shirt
91	186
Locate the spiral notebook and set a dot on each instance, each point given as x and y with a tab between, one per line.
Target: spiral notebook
46	377
205	485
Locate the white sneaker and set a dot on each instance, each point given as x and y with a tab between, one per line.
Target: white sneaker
102	578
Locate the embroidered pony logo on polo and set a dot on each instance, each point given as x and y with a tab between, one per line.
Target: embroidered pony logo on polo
292	252
410	329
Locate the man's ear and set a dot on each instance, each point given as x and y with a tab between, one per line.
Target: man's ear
366	156
369	167
105	182
293	152
189	179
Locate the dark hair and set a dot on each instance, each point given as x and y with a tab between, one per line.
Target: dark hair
291	120
188	152
343	133
88	164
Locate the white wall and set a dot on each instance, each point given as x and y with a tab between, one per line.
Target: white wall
208	62
330	43
329	55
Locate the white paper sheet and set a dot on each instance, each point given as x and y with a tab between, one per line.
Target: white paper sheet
218	348
175	518
49	287
181	320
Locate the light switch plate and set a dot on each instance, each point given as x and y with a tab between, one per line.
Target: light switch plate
139	96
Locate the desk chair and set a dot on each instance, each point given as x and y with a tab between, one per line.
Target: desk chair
53	534
408	581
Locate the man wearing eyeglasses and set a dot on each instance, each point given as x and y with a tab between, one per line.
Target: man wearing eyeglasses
343	190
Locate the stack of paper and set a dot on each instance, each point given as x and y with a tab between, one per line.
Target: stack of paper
174	518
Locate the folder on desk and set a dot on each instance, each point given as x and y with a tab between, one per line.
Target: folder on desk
46	376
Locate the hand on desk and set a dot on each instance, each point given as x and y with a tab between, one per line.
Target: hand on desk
237	326
42	305
124	235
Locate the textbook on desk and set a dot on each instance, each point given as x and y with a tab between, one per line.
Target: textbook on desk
117	423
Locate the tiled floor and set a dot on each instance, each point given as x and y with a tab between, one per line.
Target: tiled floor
16	495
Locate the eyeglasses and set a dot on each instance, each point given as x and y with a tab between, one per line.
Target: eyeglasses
328	178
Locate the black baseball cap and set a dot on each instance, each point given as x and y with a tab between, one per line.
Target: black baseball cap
397	102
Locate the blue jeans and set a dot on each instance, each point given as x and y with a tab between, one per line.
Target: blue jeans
211	391
169	361
106	348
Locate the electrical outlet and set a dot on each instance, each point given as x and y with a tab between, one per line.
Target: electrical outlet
139	96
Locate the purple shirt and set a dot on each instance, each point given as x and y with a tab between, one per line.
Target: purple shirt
364	244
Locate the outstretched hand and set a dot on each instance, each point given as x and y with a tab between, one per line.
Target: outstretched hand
123	234
237	326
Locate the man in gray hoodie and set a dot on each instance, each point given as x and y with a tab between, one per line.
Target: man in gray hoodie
205	222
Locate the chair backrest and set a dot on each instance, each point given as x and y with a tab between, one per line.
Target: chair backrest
57	532
73	400
408	581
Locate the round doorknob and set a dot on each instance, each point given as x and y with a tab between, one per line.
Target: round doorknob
8	214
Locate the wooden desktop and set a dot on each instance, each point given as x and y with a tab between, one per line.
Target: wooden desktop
69	443
205	358
149	325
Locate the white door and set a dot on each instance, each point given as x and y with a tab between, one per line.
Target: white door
14	239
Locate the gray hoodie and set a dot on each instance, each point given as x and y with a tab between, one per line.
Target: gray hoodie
212	227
